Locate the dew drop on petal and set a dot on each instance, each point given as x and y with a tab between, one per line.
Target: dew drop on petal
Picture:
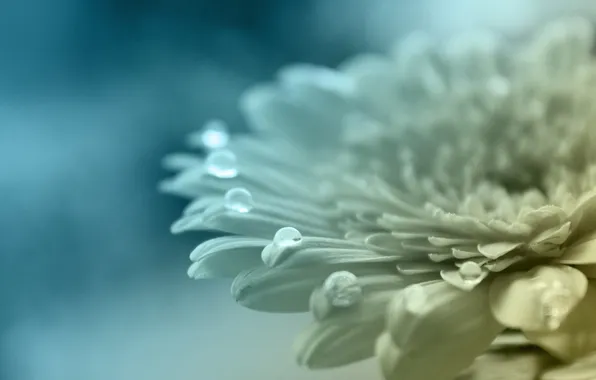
287	237
342	289
239	200
470	271
556	302
215	134
221	164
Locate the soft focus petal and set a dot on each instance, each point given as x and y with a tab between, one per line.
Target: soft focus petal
435	331
343	335
576	337
537	300
581	252
581	369
509	364
333	344
226	256
288	290
311	251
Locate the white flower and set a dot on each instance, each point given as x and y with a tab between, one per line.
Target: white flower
425	206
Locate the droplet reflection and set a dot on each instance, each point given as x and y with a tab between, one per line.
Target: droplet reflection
239	200
342	289
222	164
287	237
215	135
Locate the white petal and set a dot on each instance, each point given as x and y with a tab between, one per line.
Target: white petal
435	332
226	256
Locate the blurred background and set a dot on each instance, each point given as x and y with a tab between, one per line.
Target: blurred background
92	94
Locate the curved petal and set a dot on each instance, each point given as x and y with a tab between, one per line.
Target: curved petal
263	220
226	256
515	364
283	290
497	249
343	335
580	253
330	344
537	300
588	270
310	251
576	337
435	331
582	369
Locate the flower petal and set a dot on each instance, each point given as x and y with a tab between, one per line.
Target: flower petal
343	335
262	221
434	331
281	290
311	251
226	256
497	249
581	252
549	241
576	337
276	112
582	369
182	161
588	270
518	300
511	364
584	215
333	344
377	291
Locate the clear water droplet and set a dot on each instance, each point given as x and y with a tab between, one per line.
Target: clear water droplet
215	134
556	303
470	271
239	200
415	299
221	164
287	237
342	289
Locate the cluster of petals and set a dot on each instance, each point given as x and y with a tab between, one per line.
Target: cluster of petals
428	207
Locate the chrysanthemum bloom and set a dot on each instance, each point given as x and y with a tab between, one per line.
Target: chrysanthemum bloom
428	207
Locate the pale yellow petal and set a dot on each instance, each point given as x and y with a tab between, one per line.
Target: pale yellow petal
523	300
581	252
435	331
582	369
576	337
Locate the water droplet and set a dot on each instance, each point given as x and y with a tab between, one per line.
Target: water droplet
239	200
215	134
221	164
287	237
470	271
415	299
342	289
556	303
